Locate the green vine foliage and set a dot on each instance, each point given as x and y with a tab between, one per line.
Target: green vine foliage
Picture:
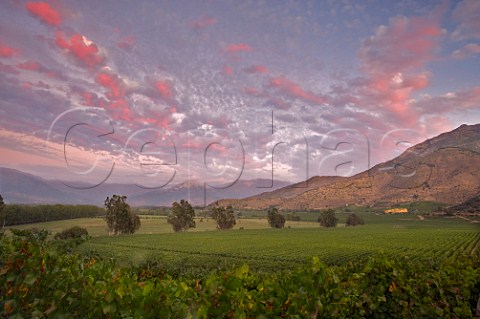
38	281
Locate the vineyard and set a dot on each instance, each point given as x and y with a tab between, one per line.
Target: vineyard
267	249
393	266
38	281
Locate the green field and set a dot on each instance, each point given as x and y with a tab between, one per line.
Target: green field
274	249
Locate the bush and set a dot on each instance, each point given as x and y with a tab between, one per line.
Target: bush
354	220
327	218
72	233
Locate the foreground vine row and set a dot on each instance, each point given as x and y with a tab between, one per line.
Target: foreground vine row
38	281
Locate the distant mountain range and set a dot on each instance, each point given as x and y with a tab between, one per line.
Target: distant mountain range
23	188
443	169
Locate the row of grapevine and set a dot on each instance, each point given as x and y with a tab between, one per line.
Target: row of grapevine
37	281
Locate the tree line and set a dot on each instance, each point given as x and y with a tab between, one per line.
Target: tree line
121	219
17	214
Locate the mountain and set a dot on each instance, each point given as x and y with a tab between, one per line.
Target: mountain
200	194
471	206
20	187
23	188
443	169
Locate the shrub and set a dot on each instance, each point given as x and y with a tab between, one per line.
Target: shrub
354	220
72	233
327	218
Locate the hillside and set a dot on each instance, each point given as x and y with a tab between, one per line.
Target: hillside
443	169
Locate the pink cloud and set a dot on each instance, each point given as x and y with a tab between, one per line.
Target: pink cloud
227	70
392	60
5	68
83	50
239	47
467	51
467	14
280	103
257	69
127	43
293	90
254	92
32	66
452	101
404	45
44	12
438	125
204	22
7	52
165	89
114	85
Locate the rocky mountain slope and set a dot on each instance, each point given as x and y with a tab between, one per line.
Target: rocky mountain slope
443	169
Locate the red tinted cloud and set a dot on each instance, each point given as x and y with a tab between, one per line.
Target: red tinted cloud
32	66
392	60
165	89
82	49
466	13
254	92
404	45
126	43
293	90
240	47
6	51
114	85
453	101
204	22
257	69
44	12
467	51
227	70
5	68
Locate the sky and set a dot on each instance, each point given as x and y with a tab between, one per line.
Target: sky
158	93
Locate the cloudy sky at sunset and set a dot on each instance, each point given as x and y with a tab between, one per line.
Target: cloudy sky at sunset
158	92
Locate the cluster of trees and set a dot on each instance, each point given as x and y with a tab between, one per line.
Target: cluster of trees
119	216
328	219
182	216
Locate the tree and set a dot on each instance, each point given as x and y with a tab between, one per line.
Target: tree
120	218
327	218
354	220
2	212
225	217
181	216
275	219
